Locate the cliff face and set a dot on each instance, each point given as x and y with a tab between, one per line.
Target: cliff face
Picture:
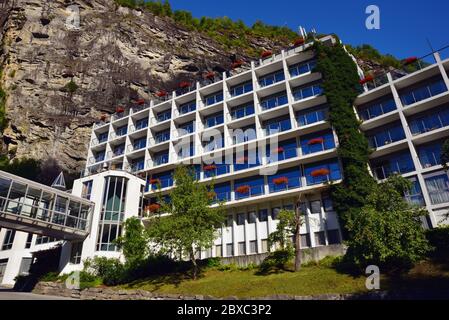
59	80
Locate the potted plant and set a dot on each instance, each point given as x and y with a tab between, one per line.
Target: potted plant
210	75
280	181
210	167
103	117
140	102
237	64
153	208
242	160
409	60
184	85
299	42
266	54
161	93
211	195
155	181
320	172
280	150
120	109
315	141
243	189
367	79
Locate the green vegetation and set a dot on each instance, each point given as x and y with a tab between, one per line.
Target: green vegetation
26	168
229	33
134	242
367	52
70	87
388	231
3	121
445	155
191	222
340	84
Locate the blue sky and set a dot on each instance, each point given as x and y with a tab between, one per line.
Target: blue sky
405	25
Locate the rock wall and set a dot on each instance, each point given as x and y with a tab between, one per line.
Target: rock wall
60	80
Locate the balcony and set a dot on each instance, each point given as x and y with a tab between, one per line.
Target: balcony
137	166
376	110
162	183
396	164
430	155
213	99
222	197
274	102
438	189
241	89
317	143
308	118
302	68
290	184
215	170
274	127
138	145
271	79
422	93
308	92
160	160
324	173
242	112
163	116
162	137
386	137
187	108
430	122
214	120
245	192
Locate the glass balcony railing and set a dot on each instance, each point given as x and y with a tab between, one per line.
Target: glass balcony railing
215	145
160	160
222	197
162	137
317	144
242	112
302	68
249	192
430	122
324	173
187	108
162	117
138	166
213	99
163	183
213	121
386	137
282	154
139	145
430	155
422	93
377	110
400	165
216	170
308	118
241	89
274	102
272	79
308	92
289	184
278	126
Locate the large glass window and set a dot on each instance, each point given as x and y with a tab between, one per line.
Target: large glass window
399	163
277	125
241	89
142	124
302	68
246	160
161	137
414	196
321	173
430	121
242	111
422	92
274	101
87	189
376	109
214	120
44	240
307	92
8	240
140	144
250	187
244	134
385	136
430	155
283	180
214	98
272	78
187	108
122	131
163	116
311	116
317	142
438	188
285	150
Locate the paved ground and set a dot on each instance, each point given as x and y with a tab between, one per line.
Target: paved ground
8	294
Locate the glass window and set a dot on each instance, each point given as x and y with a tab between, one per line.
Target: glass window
302	68
274	101
230	221
333	237
241	89
87	189
230	250
320	238
328	204
44	240
8	240
311	116
272	78
275	213
252	217
263	215
430	155
253	247
264	246
219	251
214	98
377	109
76	252
241	218
305	241
242	248
242	111
307	92
29	241
315	207
438	188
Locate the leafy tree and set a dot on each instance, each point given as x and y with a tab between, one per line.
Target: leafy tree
290	223
445	155
189	222
134	242
388	231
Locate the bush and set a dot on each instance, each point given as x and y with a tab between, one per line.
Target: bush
212	263
111	271
50	277
277	260
439	239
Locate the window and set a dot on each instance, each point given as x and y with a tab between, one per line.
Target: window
162	136
25	266
230	250
377	109
29	241
241	89
302	68
263	215
219	251
214	120
399	163
275	213
229	221
438	188
317	142
415	196
252	217
163	116
274	101
328	204
311	116
214	98
422	92
305	241
253	247
315	207
320	238
44	240
264	246
277	125
103	137
272	78
241	218
242	111
430	155
141	124
307	92
87	189
386	136
187	108
333	237
8	240
122	131
242	248
429	121
76	252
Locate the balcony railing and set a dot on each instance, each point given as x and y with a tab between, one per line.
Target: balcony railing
254	191
302	68
241	89
306	119
274	102
277	127
377	110
423	93
429	123
272	79
242	112
218	171
382	172
222	197
161	160
308	92
293	183
387	137
282	154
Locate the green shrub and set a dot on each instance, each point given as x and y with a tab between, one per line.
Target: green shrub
277	260
111	271
439	239
50	277
212	263
229	267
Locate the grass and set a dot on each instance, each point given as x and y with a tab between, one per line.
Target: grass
312	280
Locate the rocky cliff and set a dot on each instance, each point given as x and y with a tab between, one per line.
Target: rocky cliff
59	80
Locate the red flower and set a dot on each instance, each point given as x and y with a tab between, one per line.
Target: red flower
184	84
280	150
367	79
210	75
161	93
320	172
280	181
155	181
237	64
154	207
210	167
120	109
243	189
267	53
316	141
409	60
299	42
140	102
103	117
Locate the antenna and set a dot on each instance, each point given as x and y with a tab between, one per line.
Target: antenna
430	45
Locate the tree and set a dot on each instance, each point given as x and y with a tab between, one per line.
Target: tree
445	155
290	223
388	231
134	242
188	223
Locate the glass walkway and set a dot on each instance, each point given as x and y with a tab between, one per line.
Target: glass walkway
35	208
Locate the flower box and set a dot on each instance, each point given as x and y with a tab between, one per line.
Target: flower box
184	85
211	167
243	189
280	181
120	109
367	79
155	181
409	60
266	54
299	42
140	102
320	173
154	207
315	141
103	117
237	64
161	93
209	75
280	150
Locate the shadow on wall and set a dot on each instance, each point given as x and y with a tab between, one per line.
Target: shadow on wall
44	262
